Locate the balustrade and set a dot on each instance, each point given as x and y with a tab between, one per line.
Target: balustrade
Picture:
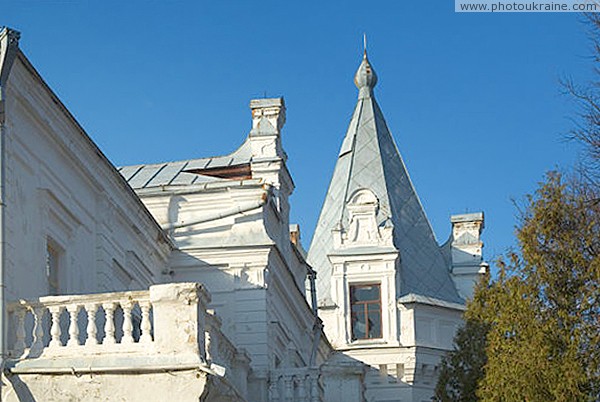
134	309
295	385
163	321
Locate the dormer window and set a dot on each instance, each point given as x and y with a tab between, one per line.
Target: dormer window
365	301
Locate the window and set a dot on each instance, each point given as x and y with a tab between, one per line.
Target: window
52	268
365	301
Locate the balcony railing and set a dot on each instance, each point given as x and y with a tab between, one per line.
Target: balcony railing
295	385
167	324
88	324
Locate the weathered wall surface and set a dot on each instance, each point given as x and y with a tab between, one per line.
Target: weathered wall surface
257	289
130	387
180	355
255	277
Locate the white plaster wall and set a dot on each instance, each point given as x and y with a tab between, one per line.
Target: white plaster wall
407	372
435	326
351	270
399	374
178	386
246	262
59	186
339	388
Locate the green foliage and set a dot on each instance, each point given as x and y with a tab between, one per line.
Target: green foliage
559	238
462	369
539	321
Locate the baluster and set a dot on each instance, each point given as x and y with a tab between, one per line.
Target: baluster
55	331
109	326
215	347
91	329
20	331
38	331
208	346
289	388
273	395
280	388
145	326
314	385
73	310
127	324
302	392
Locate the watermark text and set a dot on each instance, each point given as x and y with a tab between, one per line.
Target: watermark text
524	6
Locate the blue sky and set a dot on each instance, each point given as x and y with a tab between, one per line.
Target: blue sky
473	100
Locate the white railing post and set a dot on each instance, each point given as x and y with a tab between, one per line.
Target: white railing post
211	341
20	331
73	310
208	347
315	394
179	311
38	331
109	326
146	326
127	306
92	330
55	332
288	388
302	388
273	394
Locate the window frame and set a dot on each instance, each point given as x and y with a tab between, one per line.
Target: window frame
54	268
365	312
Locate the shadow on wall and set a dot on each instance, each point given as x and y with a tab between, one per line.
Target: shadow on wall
21	389
236	313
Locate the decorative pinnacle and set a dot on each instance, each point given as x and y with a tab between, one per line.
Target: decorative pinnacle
365	78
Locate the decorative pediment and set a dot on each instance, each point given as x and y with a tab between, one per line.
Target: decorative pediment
363	229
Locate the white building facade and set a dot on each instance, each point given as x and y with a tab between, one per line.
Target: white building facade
185	280
83	314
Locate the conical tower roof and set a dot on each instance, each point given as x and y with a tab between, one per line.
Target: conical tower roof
369	159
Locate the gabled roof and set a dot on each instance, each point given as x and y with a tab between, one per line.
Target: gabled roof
370	159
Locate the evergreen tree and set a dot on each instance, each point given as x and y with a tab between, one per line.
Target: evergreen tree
462	369
541	316
539	321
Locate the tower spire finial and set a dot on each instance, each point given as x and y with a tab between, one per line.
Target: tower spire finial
365	44
365	78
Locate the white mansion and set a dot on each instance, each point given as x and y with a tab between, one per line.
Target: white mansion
185	281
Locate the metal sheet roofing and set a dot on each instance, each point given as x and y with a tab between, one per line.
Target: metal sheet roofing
183	173
370	159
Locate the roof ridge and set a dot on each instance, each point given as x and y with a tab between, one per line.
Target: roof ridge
410	182
238	149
